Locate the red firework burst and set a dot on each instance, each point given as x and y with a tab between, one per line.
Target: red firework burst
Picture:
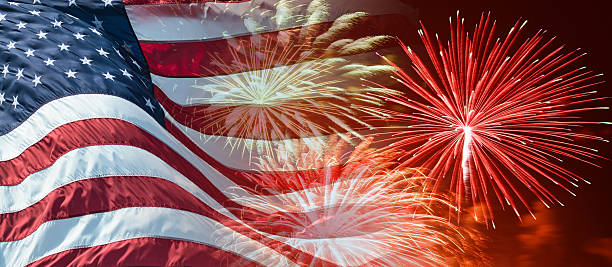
493	115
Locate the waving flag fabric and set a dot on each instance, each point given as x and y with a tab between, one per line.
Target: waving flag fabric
180	41
93	170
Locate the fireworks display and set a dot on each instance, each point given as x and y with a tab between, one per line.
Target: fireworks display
286	95
484	120
291	85
360	212
491	118
304	133
287	70
356	174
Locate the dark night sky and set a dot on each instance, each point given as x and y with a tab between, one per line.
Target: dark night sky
580	233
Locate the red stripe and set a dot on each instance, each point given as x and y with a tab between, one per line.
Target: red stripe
165	2
188	59
117	132
113	193
209	119
106	194
251	216
145	252
98	195
254	181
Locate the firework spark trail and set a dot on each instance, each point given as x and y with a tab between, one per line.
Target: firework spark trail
506	107
280	99
363	213
465	156
283	70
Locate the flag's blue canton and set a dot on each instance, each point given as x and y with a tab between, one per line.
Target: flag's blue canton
52	49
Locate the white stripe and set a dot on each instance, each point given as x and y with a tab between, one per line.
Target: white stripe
134	158
88	163
140	222
91	106
211	20
183	91
81	107
243	153
70	109
116	160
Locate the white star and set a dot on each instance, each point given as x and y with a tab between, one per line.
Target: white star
30	53
5	70
107	2
86	61
102	52
63	47
36	80
57	23
35	12
49	62
21	25
36	1
2	16
126	74
108	76
11	45
97	22
79	36
15	102
148	104
2	99
71	2
42	35
70	74
95	31
13	4
136	63
118	53
19	74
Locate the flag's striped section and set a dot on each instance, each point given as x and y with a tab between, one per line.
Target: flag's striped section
72	108
91	178
206	119
115	160
85	165
184	44
197	58
213	20
89	132
149	251
163	2
103	194
217	147
142	134
187	91
115	226
154	145
193	110
180	40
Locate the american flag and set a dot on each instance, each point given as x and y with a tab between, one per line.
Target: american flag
95	171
